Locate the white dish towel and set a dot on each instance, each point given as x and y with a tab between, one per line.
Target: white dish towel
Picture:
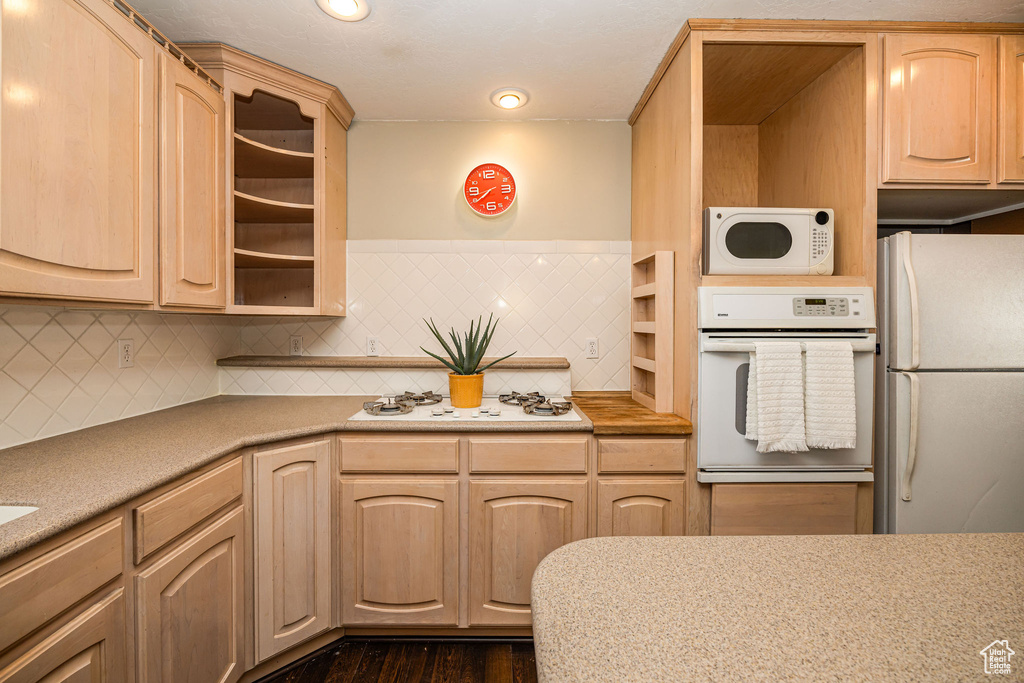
830	395
775	397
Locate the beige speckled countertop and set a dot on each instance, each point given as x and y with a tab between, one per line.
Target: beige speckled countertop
772	608
76	476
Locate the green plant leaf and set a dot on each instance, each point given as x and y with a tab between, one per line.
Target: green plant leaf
451	367
495	362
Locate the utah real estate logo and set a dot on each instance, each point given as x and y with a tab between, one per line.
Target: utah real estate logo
997	657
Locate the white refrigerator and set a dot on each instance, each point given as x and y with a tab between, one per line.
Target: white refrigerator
950	405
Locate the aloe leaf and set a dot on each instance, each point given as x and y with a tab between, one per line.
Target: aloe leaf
437	334
454	369
495	362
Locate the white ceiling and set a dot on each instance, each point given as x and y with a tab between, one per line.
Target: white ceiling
441	59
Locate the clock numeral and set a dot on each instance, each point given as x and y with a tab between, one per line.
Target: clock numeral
505	189
501	205
474	182
506	198
488	173
491	206
504	180
474	191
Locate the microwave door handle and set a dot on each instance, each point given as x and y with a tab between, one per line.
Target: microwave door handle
915	406
915	313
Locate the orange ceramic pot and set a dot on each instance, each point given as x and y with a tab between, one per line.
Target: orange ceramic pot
467	391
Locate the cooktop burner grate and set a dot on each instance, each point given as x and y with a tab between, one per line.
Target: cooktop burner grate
427	398
548	407
390	406
517	399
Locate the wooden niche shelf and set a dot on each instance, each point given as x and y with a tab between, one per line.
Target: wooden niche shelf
286	192
653	323
789	124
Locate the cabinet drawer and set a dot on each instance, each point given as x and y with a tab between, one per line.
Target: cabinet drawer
400	455
641	455
163	519
789	509
528	454
38	591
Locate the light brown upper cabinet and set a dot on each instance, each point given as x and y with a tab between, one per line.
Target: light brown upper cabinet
939	108
192	257
285	185
78	170
1011	109
292	532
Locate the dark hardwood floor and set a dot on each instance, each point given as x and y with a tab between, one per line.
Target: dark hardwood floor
416	661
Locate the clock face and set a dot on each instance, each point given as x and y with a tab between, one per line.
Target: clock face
490	189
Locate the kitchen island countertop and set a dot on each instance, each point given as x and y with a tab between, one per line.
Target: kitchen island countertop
76	476
770	608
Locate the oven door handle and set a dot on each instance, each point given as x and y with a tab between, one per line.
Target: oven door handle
859	346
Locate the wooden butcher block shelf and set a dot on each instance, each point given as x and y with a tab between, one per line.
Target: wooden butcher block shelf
616	413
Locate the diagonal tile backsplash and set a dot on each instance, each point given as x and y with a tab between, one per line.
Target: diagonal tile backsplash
550	296
58	367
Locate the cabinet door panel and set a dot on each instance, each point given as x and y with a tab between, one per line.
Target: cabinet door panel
401	552
783	509
90	648
192	258
189	607
78	153
939	108
1011	109
513	525
641	508
292	523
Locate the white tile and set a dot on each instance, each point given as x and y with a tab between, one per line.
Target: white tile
425	246
28	367
582	247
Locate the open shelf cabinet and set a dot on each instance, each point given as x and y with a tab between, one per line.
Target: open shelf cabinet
652	331
286	186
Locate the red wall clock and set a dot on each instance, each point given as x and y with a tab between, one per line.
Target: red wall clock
490	190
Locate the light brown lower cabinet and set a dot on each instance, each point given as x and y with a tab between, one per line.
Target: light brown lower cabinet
400	552
189	608
636	507
787	509
513	525
292	535
90	647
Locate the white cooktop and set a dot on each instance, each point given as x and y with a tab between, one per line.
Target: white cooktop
508	414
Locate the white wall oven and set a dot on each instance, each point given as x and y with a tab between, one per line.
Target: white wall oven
731	320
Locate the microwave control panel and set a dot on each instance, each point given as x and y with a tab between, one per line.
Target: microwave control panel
829	306
821	243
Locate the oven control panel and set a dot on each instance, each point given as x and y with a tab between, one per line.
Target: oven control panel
754	308
830	306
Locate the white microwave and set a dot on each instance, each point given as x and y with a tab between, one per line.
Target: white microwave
768	241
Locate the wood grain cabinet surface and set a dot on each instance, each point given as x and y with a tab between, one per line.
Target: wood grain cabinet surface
400	548
78	164
939	108
1010	150
292	532
90	647
786	509
513	525
189	608
192	238
635	507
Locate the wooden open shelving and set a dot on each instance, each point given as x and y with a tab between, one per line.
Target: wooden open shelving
257	160
274	168
653	324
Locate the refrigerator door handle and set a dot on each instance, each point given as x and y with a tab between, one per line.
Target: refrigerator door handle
915	402
915	316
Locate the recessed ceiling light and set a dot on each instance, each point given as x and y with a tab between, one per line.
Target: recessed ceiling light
509	98
346	10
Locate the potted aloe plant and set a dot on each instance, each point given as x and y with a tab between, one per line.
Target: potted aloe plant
466	379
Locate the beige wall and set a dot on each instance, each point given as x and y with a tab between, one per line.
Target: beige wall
405	179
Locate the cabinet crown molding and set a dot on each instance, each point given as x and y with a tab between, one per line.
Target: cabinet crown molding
816	26
222	56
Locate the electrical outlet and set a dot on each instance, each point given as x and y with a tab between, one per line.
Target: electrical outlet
372	346
295	345
126	353
593	349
